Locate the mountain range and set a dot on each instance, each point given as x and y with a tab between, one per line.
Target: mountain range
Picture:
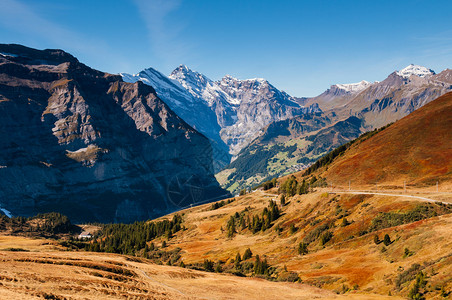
415	150
125	147
230	112
346	111
89	145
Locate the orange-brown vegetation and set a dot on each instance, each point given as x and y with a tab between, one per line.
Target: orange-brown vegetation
416	149
81	275
350	262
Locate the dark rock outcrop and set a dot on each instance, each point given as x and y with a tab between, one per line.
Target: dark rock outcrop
88	145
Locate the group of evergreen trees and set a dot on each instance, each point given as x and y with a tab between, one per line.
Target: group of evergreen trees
241	265
131	238
222	203
255	223
269	184
291	186
48	224
261	267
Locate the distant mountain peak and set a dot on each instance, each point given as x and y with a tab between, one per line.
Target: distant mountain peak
417	70
228	79
354	87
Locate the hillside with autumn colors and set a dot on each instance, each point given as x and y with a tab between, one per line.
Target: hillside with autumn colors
416	149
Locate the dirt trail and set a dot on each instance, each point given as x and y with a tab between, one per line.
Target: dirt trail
393	195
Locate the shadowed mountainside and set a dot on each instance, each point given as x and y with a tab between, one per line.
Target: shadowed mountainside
84	143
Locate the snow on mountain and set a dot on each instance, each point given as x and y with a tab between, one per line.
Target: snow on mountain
229	111
199	86
354	87
165	87
415	70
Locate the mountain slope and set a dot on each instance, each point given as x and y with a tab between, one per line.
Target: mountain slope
285	147
230	111
348	111
415	149
380	103
87	144
190	108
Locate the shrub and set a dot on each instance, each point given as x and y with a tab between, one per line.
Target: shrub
315	233
391	219
302	248
326	237
376	239
345	222
407	275
407	253
387	240
208	265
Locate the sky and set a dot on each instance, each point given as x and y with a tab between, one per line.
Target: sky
301	47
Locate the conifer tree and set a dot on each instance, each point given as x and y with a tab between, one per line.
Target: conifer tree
248	254
387	240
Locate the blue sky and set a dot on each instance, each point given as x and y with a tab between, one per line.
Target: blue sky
301	47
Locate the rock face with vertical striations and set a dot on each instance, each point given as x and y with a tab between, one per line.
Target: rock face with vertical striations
231	112
87	144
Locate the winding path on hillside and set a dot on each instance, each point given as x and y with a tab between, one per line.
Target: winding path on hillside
393	195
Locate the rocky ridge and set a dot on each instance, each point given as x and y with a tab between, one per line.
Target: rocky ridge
89	145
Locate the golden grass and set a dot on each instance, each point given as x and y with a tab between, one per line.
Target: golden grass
349	260
81	275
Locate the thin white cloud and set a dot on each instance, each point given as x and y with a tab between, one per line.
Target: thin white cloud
165	38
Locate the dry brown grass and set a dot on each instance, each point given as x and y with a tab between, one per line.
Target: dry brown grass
81	275
416	149
349	259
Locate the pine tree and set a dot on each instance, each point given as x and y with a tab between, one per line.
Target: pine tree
283	200
257	265
302	248
231	227
237	261
208	265
248	254
387	240
242	222
218	268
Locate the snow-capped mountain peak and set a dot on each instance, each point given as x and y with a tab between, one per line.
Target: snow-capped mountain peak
354	87
199	85
415	70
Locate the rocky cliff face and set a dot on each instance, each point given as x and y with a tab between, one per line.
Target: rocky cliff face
230	111
259	104
87	144
380	103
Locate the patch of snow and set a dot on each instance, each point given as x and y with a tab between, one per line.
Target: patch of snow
8	54
165	87
79	150
354	87
415	70
6	212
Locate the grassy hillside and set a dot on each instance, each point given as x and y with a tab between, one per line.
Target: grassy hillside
415	149
339	231
286	147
